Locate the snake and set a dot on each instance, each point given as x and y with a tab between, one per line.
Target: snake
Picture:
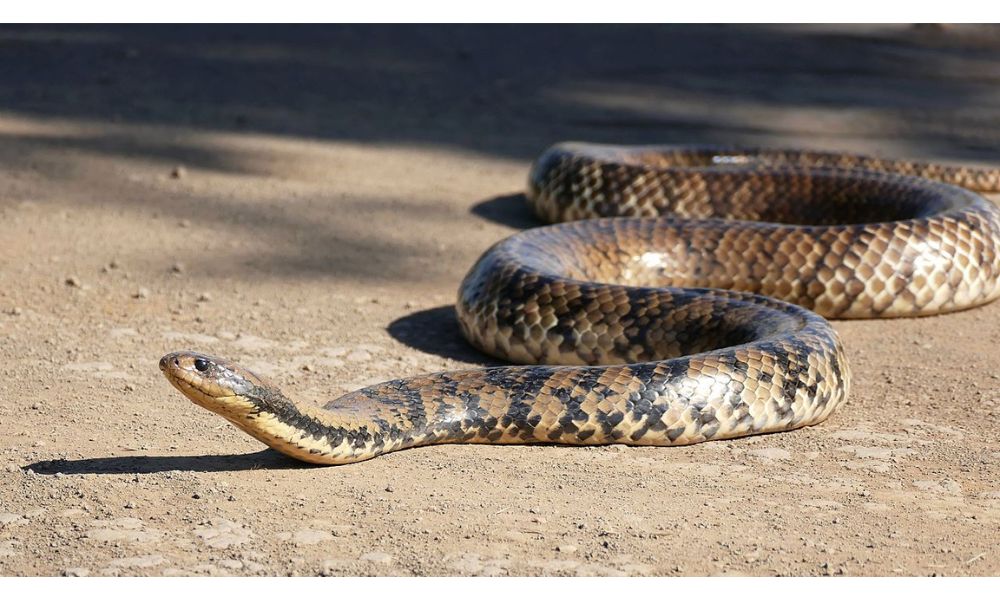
680	295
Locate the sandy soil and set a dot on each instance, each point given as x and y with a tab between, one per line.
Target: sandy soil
306	201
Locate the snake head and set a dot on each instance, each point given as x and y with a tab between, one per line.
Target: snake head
251	403
213	383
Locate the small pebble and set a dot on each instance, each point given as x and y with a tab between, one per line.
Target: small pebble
566	548
129	387
141	293
8	518
377	557
389	488
16	311
359	355
178	172
77	572
73	281
184	223
204	297
177	267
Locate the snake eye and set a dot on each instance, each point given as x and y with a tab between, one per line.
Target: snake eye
201	365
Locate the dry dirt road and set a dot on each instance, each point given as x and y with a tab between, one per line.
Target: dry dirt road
307	200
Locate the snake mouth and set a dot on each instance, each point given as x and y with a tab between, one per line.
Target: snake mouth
198	395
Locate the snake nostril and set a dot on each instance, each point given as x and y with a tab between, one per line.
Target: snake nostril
177	363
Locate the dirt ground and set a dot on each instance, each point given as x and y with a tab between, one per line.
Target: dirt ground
307	200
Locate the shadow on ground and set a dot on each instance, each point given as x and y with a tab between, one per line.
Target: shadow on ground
512	90
436	331
511	210
265	459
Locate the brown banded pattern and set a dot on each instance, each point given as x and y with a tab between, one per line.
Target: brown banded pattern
676	305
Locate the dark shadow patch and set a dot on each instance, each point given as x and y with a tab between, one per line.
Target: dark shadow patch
388	83
211	463
436	331
511	210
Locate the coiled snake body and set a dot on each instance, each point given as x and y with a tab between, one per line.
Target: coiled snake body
690	309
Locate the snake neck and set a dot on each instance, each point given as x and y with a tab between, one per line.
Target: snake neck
305	431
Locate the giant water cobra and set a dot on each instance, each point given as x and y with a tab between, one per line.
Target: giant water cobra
672	330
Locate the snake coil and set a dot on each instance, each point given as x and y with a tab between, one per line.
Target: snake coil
682	300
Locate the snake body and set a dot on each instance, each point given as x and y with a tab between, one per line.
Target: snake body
681	300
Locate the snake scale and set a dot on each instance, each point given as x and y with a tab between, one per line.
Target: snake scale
680	299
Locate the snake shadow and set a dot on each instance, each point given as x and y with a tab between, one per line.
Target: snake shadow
511	210
211	463
436	331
